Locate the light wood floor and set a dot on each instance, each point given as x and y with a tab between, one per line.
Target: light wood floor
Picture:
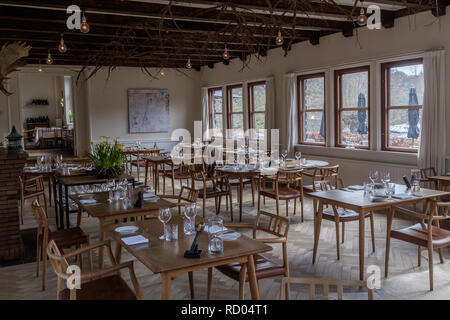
406	280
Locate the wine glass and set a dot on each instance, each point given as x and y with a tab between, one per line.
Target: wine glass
390	190
386	178
190	212
298	156
164	216
284	155
373	176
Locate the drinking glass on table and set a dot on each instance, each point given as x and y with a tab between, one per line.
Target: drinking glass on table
386	178
189	225
215	227
298	156
373	176
284	155
110	184
164	216
390	190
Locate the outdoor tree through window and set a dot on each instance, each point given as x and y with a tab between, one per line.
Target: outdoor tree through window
402	99
311	108
216	110
235	109
257	107
352	107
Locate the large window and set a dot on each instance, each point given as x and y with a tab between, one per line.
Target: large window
216	110
311	109
352	106
235	108
257	107
402	98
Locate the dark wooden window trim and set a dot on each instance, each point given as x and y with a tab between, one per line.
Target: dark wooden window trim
210	106
385	101
338	103
300	102
229	102
251	106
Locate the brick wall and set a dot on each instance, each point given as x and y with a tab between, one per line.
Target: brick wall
11	166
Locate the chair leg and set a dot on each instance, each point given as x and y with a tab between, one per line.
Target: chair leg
430	263
44	264
218	206
336	221
45	202
38	257
209	292
253	192
204	204
173	186
301	204
91	264
372	231
231	206
287	208
259	201
191	283
278	206
295	206
22	201
343	232
419	256
242	275
441	255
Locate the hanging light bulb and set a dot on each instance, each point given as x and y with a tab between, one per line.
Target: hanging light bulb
226	55
62	46
49	59
279	40
189	63
40	67
362	18
162	73
84	25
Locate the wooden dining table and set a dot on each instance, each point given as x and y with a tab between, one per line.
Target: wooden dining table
357	201
154	162
167	257
106	212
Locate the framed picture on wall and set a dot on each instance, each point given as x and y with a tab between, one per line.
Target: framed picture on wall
148	110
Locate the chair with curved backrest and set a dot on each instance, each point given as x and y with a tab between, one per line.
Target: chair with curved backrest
175	172
286	185
265	268
213	186
341	215
424	233
104	284
64	238
139	161
31	188
186	197
425	173
326	284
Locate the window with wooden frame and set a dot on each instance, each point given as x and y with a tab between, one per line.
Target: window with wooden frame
311	109
402	87
235	108
216	111
257	107
352	107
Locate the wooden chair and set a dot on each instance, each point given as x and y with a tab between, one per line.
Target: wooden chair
49	137
138	160
325	283
424	233
213	186
186	197
104	284
64	238
175	172
31	188
265	268
425	173
246	181
282	189
341	215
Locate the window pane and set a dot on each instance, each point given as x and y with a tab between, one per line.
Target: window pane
404	128
259	121
313	93
352	85
217	100
259	97
236	100
354	128
237	121
406	85
314	124
218	125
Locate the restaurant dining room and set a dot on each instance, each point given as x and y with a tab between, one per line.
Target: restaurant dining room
224	151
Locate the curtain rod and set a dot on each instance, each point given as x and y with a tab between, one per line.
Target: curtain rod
237	82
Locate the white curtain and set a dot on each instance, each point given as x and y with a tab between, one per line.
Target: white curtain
205	112
432	137
290	112
269	120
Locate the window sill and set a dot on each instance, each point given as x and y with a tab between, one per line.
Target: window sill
359	154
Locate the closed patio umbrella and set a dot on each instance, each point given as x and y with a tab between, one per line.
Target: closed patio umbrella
413	115
362	127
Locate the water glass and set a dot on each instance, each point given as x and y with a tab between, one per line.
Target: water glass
171	232
189	222
215	245
390	190
415	180
164	216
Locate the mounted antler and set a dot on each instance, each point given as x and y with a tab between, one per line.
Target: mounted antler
9	61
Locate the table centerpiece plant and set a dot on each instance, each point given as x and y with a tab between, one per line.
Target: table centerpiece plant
107	158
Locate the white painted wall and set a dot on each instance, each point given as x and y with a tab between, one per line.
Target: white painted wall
108	102
410	35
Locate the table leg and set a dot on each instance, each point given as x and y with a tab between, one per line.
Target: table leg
66	192
146	173
118	253
388	240
361	245
101	238
56	203
241	188
252	278
156	178
166	282
317	225
61	208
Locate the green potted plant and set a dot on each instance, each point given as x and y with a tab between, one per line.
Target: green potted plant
107	158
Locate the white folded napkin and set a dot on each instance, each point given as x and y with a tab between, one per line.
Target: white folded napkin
88	201
356	187
402	196
129	241
149	195
215	229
